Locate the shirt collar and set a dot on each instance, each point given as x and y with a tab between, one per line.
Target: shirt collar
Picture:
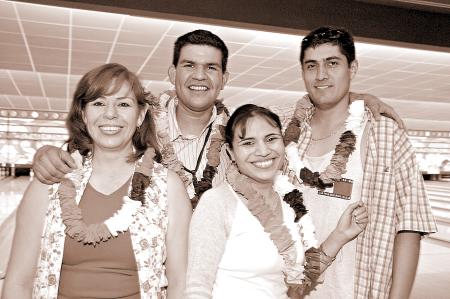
174	129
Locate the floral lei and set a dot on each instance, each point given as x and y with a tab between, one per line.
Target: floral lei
194	186
69	192
347	141
270	215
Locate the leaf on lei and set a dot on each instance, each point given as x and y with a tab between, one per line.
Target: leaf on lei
313	179
313	268
343	149
121	220
204	184
169	159
339	160
295	200
282	185
294	162
213	154
269	213
72	217
142	176
221	108
93	234
303	112
292	132
290	194
307	232
354	120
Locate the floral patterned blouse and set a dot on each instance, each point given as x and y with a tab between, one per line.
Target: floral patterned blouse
147	230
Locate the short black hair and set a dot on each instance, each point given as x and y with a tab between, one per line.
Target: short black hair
337	36
200	37
242	114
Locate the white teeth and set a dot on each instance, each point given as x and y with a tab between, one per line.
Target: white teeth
198	88
263	164
110	129
322	87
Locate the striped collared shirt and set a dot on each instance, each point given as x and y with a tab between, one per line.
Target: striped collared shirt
394	193
188	148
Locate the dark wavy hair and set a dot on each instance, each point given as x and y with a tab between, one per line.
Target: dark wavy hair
240	117
200	37
104	80
336	36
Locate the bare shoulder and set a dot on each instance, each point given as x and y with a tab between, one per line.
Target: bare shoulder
177	194
173	180
34	199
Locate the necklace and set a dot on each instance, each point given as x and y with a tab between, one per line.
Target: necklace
291	243
332	133
194	186
346	145
69	198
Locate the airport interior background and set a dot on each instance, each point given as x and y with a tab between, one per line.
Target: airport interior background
403	49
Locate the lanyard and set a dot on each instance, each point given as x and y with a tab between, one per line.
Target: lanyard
199	159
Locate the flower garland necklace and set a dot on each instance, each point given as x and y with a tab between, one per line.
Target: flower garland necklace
72	188
194	186
269	213
347	141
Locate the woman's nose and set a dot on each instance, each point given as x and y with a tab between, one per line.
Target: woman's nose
262	149
111	111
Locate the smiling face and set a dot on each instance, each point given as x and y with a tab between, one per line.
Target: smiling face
111	120
327	75
198	77
260	153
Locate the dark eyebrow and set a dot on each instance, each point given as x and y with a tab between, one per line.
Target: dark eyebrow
214	64
327	59
310	61
252	138
245	139
187	61
193	62
333	58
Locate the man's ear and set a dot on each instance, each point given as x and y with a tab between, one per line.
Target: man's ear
353	68
172	73
225	77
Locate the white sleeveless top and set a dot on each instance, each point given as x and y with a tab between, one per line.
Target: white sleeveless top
251	266
325	211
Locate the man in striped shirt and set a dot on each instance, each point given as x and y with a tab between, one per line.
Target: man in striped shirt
382	172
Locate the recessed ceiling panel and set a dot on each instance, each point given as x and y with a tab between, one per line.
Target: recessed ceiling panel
58	45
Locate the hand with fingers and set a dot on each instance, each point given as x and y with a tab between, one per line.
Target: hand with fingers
378	107
353	220
51	163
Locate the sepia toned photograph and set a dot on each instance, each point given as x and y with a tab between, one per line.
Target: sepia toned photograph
232	149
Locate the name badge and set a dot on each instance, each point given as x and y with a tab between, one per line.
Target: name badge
341	189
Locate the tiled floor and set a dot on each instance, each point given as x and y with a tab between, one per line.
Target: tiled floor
433	275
